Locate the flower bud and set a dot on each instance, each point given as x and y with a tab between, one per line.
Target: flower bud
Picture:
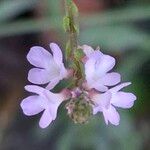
79	109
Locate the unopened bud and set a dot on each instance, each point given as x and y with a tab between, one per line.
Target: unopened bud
79	109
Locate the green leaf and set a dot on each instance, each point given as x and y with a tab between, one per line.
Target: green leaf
114	38
93	21
30	26
66	22
129	14
12	8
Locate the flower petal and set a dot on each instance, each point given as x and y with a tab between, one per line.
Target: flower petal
63	72
51	97
105	115
31	105
39	76
96	110
46	119
34	89
100	87
54	98
89	69
105	64
102	100
39	57
111	79
123	99
119	87
53	111
53	83
88	50
111	115
57	53
96	55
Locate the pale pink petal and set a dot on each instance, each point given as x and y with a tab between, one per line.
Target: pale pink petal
119	87
53	83
96	55
46	119
39	57
100	87
34	89
102	100
31	105
111	115
39	76
111	79
123	99
53	111
54	98
63	72
90	69
95	84
97	109
105	64
105	115
88	50
57	53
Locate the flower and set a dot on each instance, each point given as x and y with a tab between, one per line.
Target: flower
50	69
45	101
96	70
113	97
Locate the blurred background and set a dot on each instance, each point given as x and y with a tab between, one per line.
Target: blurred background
120	27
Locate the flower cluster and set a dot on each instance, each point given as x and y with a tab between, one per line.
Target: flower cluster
95	94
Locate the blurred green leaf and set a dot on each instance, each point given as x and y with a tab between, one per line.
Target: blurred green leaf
12	8
29	26
130	14
115	38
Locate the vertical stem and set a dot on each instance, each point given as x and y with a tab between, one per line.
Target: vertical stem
72	13
72	33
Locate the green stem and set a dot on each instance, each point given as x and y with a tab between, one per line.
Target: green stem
72	32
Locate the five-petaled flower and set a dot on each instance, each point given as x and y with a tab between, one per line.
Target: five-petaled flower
113	97
97	66
45	101
50	68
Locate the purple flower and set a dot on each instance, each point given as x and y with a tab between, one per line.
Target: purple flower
45	101
113	97
96	70
50	69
